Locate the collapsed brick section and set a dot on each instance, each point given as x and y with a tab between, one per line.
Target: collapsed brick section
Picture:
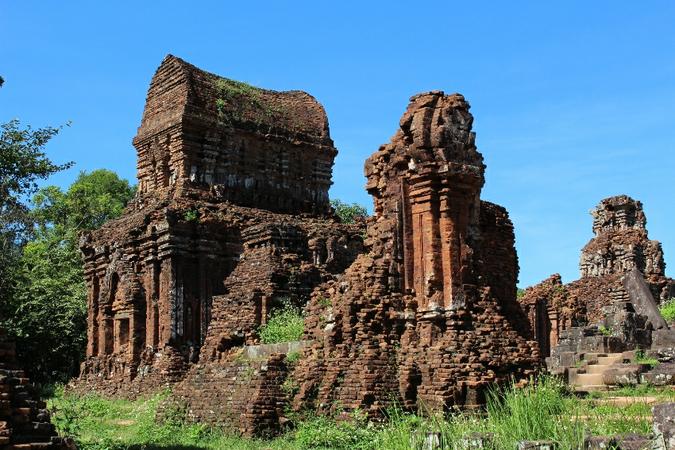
428	316
24	419
208	249
620	246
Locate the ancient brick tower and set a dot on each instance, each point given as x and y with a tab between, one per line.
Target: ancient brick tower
428	315
232	215
620	245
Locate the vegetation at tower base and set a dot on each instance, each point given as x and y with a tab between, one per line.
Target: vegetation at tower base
545	410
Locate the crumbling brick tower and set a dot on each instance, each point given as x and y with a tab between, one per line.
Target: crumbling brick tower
232	215
620	245
428	316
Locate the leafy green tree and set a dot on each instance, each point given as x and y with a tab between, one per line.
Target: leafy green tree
48	312
92	200
22	163
348	213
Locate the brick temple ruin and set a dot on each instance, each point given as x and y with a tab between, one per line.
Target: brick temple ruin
614	305
427	316
232	218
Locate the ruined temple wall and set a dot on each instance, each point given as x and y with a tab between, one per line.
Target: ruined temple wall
497	253
619	246
151	276
243	394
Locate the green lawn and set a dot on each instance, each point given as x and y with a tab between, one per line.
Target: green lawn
544	410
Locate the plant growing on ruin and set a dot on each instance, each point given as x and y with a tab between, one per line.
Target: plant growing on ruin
285	324
604	330
324	302
290	387
191	215
242	96
641	358
668	310
292	358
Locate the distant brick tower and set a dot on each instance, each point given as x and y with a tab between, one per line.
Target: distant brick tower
621	243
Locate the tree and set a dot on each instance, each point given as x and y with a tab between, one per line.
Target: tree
22	163
92	200
348	213
49	308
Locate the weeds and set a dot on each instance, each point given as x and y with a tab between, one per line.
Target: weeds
284	325
604	330
543	410
668	310
641	358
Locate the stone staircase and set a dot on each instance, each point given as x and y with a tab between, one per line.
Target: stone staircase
589	377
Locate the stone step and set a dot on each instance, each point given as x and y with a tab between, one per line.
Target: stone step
589	379
591	388
597	368
610	359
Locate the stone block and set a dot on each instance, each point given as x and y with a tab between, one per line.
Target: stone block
623	375
664	426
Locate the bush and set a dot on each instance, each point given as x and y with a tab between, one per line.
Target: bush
668	310
284	325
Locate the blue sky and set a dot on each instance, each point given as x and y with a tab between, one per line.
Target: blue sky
573	101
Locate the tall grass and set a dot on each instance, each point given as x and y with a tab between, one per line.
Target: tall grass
542	410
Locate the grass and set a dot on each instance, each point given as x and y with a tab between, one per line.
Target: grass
285	324
668	310
543	410
236	97
640	358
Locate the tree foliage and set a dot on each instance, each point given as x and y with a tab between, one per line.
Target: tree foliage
48	310
22	163
348	213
